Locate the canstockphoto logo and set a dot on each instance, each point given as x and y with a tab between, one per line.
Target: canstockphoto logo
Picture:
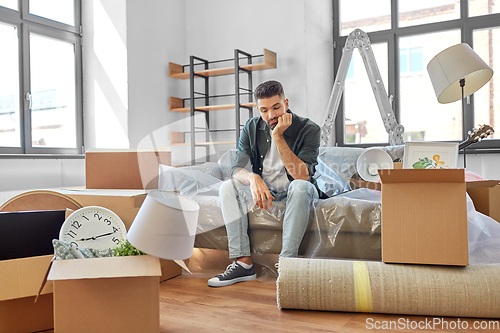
432	324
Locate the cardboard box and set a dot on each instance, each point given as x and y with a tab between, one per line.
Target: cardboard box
20	281
468	184
126	204
117	294
424	217
124	168
486	198
169	269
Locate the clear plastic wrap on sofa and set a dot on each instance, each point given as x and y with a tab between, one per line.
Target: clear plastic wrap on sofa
484	237
191	180
345	226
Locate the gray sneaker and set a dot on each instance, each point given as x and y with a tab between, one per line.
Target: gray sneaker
234	273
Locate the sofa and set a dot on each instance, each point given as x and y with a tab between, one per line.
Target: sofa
346	225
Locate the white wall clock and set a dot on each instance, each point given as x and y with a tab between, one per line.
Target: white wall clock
93	226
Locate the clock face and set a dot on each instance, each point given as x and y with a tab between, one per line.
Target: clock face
94	227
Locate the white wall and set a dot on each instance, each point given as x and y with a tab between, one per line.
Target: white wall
105	79
299	31
485	165
20	175
156	35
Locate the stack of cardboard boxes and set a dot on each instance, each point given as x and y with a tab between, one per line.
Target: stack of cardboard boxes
92	295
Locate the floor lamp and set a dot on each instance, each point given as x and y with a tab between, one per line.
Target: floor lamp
456	73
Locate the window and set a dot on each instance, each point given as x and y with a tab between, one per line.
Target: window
40	85
368	16
360	120
12	4
486	102
411	55
350	70
405	36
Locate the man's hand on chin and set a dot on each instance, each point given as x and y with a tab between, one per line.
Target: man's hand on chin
284	121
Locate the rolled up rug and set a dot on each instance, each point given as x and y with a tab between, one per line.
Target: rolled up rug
369	286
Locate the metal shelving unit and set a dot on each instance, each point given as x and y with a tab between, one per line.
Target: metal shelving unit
193	72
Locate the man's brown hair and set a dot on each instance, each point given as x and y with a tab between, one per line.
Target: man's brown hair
269	89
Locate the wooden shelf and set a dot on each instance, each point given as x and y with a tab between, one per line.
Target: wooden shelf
177	139
204	143
177	71
177	105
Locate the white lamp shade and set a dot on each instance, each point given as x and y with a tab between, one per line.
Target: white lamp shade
372	160
165	225
451	65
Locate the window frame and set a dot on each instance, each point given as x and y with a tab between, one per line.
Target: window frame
28	23
466	25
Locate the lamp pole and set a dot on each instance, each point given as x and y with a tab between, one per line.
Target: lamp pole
462	85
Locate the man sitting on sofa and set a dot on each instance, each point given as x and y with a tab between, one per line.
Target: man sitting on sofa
275	160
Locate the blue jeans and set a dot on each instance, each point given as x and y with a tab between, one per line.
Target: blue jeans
236	201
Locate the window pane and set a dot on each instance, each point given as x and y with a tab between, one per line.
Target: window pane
53	113
411	55
487	99
367	15
422	116
413	12
403	60
12	4
58	10
483	7
10	132
350	70
416	59
362	116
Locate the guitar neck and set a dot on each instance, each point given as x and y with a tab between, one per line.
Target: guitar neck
464	144
483	132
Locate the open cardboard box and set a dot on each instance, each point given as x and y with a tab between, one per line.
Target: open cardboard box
424	217
126	204
24	268
111	294
485	192
19	284
124	168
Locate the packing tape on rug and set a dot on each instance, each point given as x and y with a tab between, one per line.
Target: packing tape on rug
362	289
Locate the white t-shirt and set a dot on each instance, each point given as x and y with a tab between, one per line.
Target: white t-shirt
273	170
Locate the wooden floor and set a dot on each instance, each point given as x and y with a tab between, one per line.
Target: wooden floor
188	305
